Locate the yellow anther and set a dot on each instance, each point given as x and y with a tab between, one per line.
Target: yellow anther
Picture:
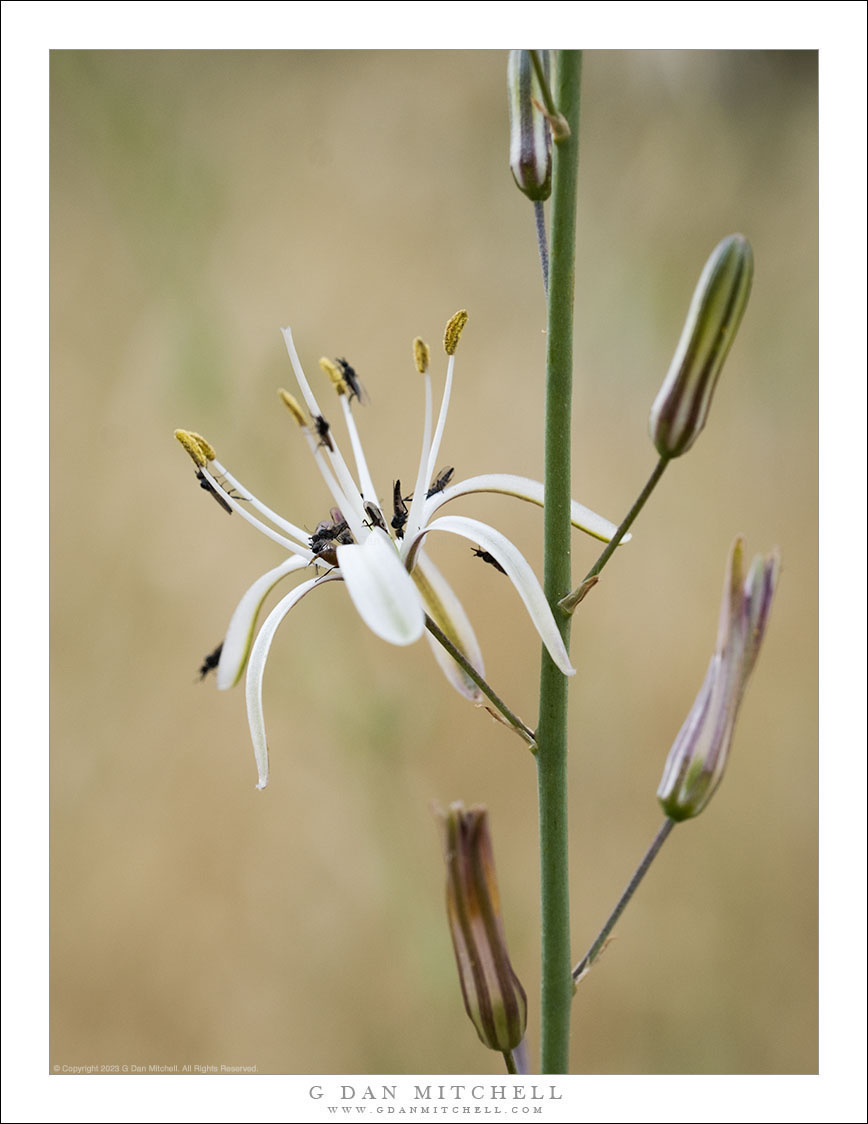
334	373
293	407
421	355
207	449
192	446
453	331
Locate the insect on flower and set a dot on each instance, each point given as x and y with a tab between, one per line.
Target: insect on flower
391	581
399	509
322	431
212	490
209	663
489	558
354	386
443	478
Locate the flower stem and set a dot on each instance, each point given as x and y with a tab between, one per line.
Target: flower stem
542	243
552	730
568	603
587	961
512	719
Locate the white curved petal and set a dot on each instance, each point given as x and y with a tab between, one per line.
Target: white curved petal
382	591
239	634
447	611
519	573
256	670
504	483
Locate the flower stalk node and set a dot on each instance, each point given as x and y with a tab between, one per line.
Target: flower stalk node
571	602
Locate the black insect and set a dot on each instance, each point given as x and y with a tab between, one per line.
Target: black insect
489	558
205	483
210	662
375	515
322	432
440	483
399	506
328	533
352	380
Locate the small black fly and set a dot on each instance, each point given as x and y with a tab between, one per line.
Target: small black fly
328	534
440	483
399	506
489	558
322	432
210	661
209	487
375	515
352	380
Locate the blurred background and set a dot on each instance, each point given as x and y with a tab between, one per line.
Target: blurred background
202	200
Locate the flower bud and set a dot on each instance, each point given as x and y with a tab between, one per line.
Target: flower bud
697	759
681	406
493	996
530	140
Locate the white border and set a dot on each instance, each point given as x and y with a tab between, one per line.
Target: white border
30	30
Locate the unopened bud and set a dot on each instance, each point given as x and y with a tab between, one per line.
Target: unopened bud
681	407
493	996
698	757
530	139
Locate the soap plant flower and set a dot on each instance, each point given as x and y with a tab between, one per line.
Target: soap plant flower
376	549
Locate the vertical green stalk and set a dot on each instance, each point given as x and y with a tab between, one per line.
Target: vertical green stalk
557	984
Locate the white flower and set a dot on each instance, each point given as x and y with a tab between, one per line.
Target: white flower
377	551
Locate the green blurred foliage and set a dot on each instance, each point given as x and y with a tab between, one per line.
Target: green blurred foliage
201	200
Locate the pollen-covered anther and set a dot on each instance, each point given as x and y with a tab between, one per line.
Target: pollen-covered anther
191	443
453	331
335	374
206	447
421	355
293	406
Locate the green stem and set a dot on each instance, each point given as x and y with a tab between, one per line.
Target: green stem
510	1062
552	730
596	948
512	719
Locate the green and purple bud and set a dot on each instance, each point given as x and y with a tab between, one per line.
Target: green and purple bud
493	996
530	138
681	407
697	759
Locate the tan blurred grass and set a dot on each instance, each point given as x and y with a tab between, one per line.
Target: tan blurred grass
200	201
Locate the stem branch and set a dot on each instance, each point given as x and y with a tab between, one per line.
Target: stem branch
569	603
587	961
512	719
